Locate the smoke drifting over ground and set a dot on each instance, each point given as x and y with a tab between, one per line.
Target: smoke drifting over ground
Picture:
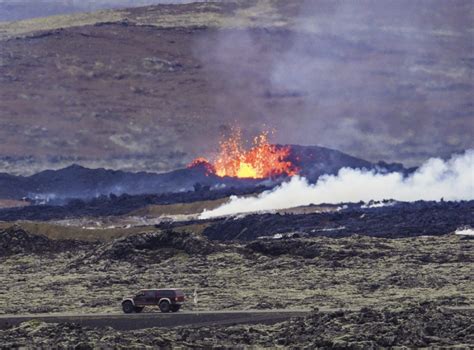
434	180
380	80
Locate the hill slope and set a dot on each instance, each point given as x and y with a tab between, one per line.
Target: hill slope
151	88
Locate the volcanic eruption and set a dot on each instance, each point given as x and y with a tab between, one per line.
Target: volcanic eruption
261	160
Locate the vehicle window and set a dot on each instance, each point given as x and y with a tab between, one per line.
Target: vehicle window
150	293
166	293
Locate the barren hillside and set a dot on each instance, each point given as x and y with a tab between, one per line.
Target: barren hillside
151	88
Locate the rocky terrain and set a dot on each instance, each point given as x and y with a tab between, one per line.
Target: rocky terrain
418	325
112	205
393	220
355	271
101	114
402	285
76	182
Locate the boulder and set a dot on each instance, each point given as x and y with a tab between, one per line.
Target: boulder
159	242
15	240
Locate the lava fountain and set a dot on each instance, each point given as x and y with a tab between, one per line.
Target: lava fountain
261	160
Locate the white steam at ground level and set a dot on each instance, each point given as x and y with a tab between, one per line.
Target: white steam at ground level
434	180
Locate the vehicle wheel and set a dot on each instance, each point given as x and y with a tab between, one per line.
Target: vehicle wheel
138	309
175	308
165	306
127	307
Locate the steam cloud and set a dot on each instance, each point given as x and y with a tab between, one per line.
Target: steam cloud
435	179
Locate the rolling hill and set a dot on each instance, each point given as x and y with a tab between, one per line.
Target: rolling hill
150	88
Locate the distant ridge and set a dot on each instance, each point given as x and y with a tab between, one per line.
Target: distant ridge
76	181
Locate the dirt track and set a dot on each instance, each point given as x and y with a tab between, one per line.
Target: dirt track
423	325
186	318
156	319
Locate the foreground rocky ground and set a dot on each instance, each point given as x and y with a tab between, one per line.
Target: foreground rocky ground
402	287
42	275
413	326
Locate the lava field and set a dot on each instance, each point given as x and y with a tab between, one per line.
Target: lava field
403	287
391	221
202	146
118	205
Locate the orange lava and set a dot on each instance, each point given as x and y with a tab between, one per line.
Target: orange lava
262	160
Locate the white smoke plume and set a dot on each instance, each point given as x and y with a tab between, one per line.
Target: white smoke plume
435	179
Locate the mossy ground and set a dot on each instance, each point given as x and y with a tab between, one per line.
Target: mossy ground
349	273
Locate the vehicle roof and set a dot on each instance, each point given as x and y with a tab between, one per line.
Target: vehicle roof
143	290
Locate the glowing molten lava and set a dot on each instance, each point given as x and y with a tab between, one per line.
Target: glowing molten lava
262	160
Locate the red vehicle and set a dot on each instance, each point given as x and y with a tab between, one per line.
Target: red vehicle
166	299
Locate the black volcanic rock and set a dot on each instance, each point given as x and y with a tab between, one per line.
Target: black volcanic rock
425	325
314	161
15	240
13	186
417	325
399	220
296	247
79	182
117	205
420	325
159	244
